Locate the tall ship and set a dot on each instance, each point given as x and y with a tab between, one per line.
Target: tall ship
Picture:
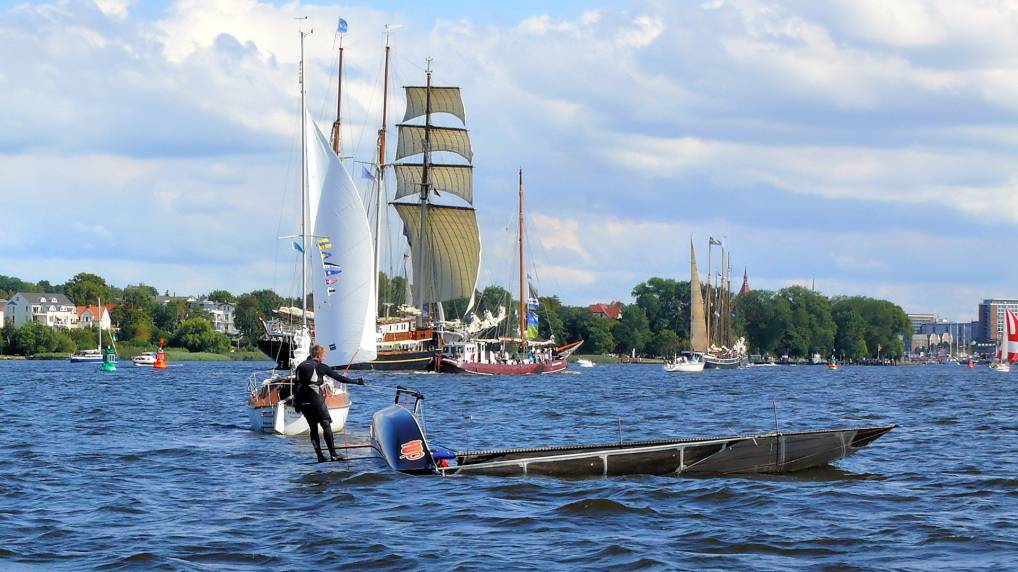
510	355
434	201
711	327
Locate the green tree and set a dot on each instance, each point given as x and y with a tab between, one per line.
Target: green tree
34	338
665	302
85	289
762	317
811	327
633	330
197	335
222	297
251	309
550	324
9	285
667	343
851	339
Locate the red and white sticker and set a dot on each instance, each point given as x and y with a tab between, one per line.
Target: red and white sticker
412	450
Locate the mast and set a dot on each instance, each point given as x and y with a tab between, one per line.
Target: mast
339	98
380	169
424	196
523	300
303	195
707	298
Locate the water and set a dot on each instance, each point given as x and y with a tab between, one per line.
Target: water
144	469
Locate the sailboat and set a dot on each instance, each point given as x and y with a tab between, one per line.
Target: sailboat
1007	345
721	351
691	361
90	355
492	356
341	282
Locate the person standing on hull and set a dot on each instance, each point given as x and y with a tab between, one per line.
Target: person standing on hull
308	399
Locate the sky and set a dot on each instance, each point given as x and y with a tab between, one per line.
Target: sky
868	146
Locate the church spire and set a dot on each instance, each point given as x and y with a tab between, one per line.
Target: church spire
745	282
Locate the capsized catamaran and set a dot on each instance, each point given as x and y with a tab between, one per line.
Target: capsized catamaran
398	437
342	282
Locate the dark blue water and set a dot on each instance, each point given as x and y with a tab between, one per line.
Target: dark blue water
145	469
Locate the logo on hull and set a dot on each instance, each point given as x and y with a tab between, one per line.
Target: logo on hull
412	450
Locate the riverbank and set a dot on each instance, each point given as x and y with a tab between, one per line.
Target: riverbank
171	355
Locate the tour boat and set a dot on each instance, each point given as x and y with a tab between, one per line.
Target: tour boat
145	359
398	437
343	283
688	362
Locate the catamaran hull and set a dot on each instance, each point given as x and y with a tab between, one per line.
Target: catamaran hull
457	366
282	419
755	454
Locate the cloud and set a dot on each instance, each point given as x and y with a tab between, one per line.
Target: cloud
869	144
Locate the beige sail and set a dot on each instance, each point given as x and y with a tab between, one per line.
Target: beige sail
454	179
452	255
443	100
697	322
411	141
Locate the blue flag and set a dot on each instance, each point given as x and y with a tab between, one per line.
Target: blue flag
342	26
366	173
298	247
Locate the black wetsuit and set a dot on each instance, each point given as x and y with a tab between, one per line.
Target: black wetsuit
308	400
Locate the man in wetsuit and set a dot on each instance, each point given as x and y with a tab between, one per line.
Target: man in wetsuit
308	398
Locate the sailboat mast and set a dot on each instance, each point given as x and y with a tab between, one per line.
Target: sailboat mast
707	298
380	169
339	102
303	194
425	193
523	300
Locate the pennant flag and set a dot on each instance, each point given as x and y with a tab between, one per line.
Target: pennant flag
298	247
367	174
531	325
342	30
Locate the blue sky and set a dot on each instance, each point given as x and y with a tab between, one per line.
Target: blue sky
868	144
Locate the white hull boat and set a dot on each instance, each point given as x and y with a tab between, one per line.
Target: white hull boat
270	408
688	362
584	363
147	359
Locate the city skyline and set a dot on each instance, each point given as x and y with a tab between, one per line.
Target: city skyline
861	144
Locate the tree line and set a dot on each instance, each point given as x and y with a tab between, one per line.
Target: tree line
793	321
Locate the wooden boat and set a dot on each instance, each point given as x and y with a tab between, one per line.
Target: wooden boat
397	436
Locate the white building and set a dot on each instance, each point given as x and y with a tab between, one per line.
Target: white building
89	316
221	314
53	310
3	307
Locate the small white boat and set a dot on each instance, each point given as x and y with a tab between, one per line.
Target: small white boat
146	359
688	362
86	356
1001	367
584	363
271	409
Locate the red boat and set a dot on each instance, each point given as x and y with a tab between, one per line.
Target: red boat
490	357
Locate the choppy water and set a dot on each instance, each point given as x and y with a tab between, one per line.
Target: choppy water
145	469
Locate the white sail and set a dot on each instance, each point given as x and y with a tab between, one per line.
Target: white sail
443	100
342	263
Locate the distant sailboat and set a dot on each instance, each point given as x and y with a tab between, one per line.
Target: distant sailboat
1007	345
691	361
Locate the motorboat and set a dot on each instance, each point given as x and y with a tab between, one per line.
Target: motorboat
398	437
688	362
146	359
584	363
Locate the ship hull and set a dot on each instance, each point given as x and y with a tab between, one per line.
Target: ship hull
711	362
458	366
279	350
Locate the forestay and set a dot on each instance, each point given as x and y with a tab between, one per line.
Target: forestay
342	260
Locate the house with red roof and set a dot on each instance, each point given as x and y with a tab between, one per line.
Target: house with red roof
89	316
612	310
